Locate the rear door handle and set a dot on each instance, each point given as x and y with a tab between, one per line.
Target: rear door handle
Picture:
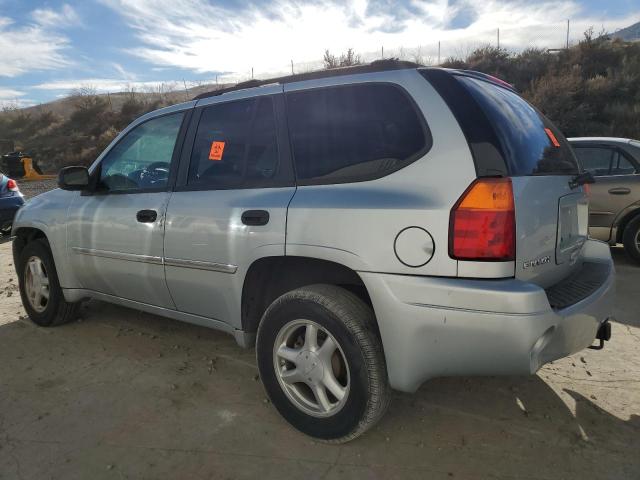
147	216
620	191
255	217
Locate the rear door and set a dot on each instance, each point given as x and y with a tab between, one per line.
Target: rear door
229	206
551	217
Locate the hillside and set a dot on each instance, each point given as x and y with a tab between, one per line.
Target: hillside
629	34
65	106
75	129
591	89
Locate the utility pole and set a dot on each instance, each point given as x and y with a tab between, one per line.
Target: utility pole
291	67
251	73
438	53
567	34
383	51
186	92
498	39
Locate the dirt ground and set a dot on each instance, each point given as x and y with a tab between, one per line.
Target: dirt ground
122	394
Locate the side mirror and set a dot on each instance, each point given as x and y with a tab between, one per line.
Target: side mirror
73	178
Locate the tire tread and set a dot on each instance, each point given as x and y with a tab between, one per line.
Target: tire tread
359	320
629	239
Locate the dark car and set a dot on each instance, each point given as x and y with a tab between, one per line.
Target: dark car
614	207
10	201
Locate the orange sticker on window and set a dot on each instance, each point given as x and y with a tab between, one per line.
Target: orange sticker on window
217	149
552	137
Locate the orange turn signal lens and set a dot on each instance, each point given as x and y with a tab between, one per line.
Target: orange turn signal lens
489	194
482	225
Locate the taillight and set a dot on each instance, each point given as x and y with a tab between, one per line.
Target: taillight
483	224
12	185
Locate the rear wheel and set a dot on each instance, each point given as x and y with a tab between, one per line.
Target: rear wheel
40	289
631	239
322	364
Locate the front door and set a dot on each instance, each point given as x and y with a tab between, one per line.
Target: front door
230	203
115	234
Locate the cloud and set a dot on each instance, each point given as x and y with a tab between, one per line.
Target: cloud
30	47
47	17
104	85
11	98
129	76
10	94
198	36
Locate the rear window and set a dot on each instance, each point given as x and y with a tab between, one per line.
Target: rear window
531	144
353	133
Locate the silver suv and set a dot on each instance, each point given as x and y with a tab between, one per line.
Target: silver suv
366	229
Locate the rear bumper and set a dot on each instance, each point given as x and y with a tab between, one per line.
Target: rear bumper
8	208
433	327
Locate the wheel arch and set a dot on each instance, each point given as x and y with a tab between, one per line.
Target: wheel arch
24	235
270	277
631	212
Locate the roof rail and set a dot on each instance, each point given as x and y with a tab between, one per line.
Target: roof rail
375	66
486	77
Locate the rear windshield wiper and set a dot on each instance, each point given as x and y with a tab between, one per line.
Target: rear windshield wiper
581	179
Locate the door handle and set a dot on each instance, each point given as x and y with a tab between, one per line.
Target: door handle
255	217
147	216
620	191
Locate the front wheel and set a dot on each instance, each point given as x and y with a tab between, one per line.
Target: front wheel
631	239
40	290
322	364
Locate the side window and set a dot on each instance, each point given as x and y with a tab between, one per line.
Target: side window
354	132
236	145
622	165
596	160
141	160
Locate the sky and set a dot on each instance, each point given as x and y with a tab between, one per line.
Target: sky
49	48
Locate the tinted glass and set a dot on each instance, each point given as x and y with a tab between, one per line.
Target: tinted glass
622	165
353	133
142	158
531	143
235	145
596	160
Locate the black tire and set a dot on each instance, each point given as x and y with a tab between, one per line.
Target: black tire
352	324
631	239
57	310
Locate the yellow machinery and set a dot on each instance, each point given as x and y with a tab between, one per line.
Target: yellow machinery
20	166
31	171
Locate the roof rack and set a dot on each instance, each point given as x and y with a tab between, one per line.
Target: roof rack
375	66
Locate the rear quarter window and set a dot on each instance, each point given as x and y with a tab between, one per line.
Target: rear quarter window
531	144
354	133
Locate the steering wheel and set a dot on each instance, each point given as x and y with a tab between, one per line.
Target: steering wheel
155	172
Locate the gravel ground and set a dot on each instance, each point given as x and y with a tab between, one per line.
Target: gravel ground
123	394
32	188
